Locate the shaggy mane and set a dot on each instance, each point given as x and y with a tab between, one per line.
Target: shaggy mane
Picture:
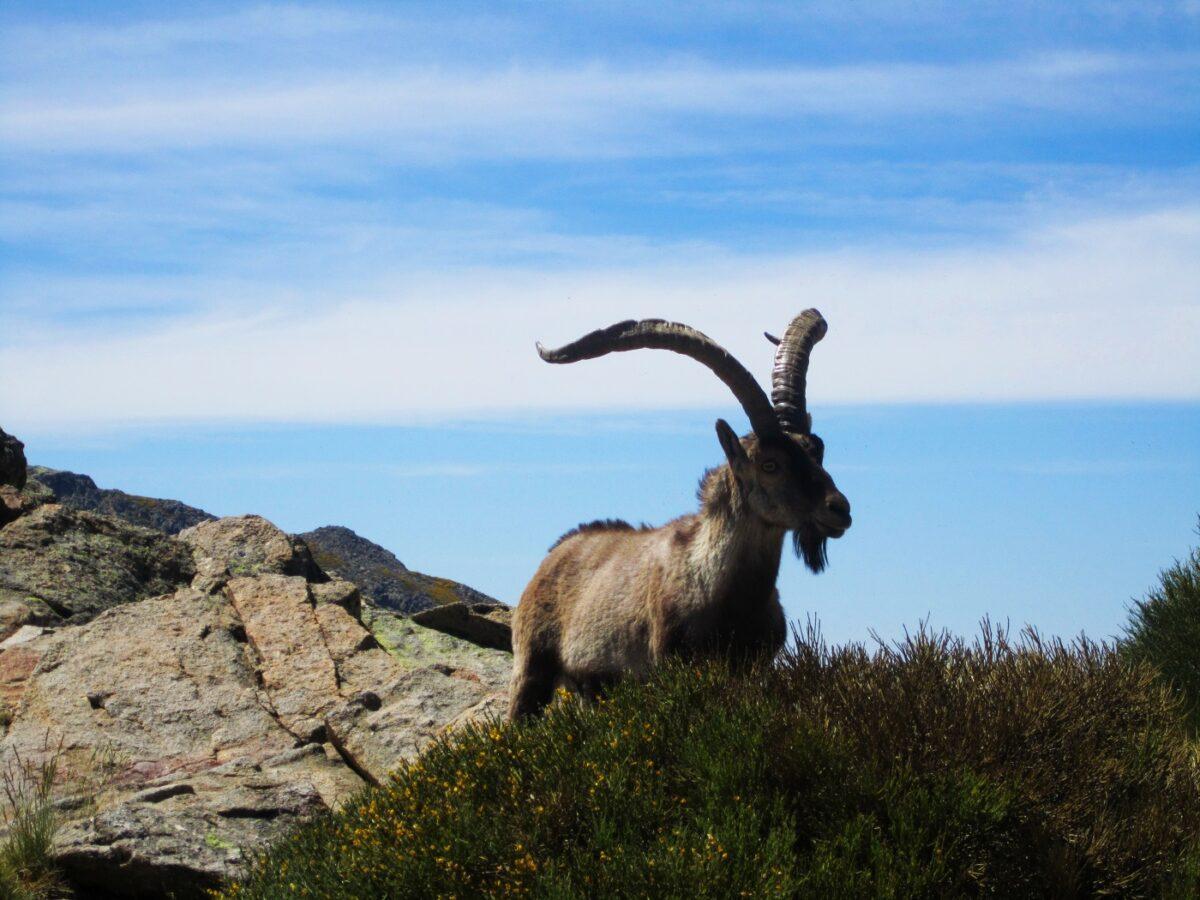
599	525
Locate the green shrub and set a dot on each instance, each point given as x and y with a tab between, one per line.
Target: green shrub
1164	630
929	769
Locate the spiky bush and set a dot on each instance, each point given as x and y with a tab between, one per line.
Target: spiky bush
1164	630
933	768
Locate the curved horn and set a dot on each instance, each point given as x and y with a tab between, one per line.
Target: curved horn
791	370
658	334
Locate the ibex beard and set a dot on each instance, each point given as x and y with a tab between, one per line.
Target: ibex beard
610	600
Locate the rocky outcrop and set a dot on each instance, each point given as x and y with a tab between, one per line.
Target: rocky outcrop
383	579
193	727
18	495
12	461
486	624
66	565
249	545
377	728
183	836
80	492
16	502
203	693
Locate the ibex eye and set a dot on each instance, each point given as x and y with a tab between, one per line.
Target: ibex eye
770	466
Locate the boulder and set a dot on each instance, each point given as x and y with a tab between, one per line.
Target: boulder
248	545
12	505
80	492
195	727
24	635
336	592
16	665
13	615
12	461
413	646
296	668
488	625
184	836
16	502
18	493
67	565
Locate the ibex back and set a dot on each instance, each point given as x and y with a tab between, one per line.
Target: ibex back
611	600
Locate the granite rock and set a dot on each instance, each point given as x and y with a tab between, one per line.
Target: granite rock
194	727
68	565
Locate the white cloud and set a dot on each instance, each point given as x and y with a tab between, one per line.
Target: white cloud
1102	309
591	110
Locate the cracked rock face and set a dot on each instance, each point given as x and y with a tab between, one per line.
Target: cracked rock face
183	838
198	725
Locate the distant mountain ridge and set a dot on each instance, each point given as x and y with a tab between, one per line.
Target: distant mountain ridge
383	579
80	492
381	576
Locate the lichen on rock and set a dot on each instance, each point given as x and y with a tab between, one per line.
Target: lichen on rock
67	565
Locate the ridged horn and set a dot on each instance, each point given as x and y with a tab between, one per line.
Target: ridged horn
658	334
790	373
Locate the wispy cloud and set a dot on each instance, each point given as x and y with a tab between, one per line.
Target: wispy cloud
1100	309
581	111
414	84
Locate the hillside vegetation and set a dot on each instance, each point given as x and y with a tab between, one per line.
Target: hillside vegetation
935	767
1164	630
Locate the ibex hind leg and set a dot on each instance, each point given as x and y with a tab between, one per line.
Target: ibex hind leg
532	688
594	687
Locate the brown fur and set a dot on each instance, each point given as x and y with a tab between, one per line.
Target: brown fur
610	600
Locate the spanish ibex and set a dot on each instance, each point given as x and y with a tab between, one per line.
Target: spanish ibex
610	599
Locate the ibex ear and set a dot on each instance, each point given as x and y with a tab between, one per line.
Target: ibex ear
732	445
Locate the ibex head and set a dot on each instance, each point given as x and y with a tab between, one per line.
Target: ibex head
779	468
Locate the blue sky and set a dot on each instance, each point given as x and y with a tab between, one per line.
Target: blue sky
232	236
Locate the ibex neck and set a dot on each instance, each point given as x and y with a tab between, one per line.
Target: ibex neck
735	553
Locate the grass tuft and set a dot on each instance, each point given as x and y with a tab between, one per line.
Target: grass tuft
30	822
